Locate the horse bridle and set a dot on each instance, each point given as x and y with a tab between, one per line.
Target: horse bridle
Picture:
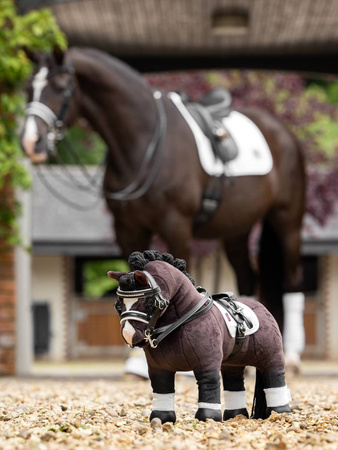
154	299
55	122
157	306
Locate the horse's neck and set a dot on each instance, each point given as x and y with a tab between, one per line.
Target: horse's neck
120	107
183	301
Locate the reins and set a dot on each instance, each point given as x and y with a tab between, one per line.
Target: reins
194	313
157	308
149	167
136	189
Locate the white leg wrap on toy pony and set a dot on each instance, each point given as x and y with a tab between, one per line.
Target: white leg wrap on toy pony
163	402
293	333
234	399
277	396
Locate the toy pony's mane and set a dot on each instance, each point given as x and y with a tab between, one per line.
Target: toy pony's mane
138	261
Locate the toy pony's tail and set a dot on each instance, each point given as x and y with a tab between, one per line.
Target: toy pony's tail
259	401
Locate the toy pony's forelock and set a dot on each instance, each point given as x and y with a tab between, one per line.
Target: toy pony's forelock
138	261
127	282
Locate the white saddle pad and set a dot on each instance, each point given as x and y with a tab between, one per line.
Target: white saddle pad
254	156
231	322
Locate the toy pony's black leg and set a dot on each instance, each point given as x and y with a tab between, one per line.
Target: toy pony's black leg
209	399
234	392
277	394
163	385
271	394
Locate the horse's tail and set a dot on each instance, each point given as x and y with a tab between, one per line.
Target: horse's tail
259	401
271	272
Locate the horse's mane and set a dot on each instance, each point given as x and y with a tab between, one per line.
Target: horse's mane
108	61
138	261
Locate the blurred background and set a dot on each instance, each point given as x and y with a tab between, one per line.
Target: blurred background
56	306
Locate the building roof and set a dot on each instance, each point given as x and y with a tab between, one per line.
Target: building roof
59	228
242	33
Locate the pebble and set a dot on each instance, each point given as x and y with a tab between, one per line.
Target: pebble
113	415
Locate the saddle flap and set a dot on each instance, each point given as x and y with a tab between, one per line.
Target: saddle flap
208	113
232	324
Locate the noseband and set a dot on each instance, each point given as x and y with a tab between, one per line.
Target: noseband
54	122
157	306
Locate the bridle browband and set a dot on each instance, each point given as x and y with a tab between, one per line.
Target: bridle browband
157	306
55	122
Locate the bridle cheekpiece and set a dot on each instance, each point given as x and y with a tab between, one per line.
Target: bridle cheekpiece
55	122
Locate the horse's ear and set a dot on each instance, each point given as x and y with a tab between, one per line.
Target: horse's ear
141	278
58	54
33	56
116	275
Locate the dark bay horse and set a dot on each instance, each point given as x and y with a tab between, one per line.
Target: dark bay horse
182	328
154	180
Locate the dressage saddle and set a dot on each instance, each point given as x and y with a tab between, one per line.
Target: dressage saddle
208	112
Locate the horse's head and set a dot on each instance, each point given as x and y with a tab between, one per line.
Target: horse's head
140	304
50	104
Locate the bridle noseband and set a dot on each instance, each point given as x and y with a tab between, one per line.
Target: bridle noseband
55	122
158	305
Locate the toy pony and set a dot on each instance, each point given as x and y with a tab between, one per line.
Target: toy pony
182	328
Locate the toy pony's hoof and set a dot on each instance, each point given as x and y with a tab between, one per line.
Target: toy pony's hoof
164	416
231	413
278	409
207	413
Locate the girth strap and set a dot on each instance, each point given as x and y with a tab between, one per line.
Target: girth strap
228	303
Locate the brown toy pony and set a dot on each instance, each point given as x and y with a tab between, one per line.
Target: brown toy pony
182	328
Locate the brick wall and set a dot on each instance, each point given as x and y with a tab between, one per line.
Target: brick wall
7	305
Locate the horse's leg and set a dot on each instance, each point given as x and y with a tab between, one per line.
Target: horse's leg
131	237
163	385
288	309
233	392
237	251
176	231
209	397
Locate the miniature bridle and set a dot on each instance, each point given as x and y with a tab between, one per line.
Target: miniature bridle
55	122
157	306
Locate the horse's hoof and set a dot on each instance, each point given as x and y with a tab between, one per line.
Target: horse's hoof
278	409
208	413
231	413
293	368
164	416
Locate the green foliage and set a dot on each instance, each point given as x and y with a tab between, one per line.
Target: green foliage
87	145
96	285
36	31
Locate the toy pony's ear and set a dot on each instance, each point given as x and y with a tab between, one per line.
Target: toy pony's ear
141	278
116	275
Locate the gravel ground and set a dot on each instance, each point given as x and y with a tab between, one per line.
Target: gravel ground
108	414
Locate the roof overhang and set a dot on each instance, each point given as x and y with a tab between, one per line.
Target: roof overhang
155	35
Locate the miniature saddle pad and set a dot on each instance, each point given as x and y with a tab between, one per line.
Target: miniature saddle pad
231	322
254	156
